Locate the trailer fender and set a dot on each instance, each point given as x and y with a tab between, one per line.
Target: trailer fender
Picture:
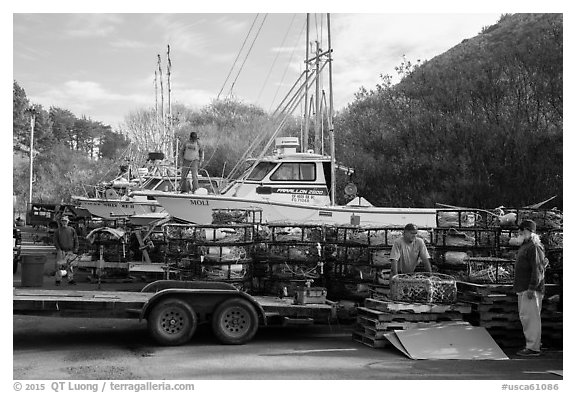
213	296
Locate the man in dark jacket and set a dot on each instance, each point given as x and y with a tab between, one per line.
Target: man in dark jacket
66	243
529	285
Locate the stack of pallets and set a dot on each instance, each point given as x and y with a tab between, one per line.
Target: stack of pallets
496	309
379	317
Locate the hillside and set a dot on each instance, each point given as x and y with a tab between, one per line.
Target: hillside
479	125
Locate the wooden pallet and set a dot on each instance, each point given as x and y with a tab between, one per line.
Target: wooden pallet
507	325
363	338
375	334
416	308
378	291
552	316
488	289
376	325
548	318
493	299
406	317
491	316
507	306
494	308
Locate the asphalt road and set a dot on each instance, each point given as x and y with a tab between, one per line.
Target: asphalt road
58	348
71	349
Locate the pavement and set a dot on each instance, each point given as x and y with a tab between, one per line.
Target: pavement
78	348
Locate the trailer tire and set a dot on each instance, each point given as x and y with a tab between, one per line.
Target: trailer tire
235	321
172	322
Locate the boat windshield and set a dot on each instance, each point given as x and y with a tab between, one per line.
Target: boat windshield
165	185
261	170
295	171
151	183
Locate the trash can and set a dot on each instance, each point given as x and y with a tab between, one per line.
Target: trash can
33	270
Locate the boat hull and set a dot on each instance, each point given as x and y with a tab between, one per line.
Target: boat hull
111	208
198	209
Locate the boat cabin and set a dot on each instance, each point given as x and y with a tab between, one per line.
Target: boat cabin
286	176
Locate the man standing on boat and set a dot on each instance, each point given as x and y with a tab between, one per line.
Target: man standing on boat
191	156
407	252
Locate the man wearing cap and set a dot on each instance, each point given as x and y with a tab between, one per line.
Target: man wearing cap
407	251
66	243
191	156
529	285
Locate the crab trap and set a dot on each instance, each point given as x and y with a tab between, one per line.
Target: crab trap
237	216
423	288
490	270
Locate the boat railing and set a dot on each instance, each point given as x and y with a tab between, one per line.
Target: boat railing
216	190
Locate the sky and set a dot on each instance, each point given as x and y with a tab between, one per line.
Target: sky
101	65
72	55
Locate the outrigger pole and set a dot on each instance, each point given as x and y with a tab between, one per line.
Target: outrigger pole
330	120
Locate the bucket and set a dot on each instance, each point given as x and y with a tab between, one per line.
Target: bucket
33	270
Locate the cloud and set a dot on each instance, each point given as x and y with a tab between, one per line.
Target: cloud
197	38
231	26
93	25
181	35
193	97
30	53
128	44
367	45
284	49
82	96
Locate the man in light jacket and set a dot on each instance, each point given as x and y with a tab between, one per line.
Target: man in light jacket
529	285
191	156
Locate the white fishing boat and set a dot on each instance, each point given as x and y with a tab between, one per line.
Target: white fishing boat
291	185
288	186
115	199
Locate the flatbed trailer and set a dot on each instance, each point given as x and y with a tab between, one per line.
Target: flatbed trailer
173	309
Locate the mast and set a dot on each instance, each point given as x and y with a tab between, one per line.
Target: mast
317	119
170	129
32	124
156	99
306	113
162	98
330	119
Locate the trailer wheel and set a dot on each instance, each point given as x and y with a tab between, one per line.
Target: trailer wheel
235	321
172	322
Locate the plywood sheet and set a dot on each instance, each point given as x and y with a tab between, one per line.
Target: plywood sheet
396	342
450	342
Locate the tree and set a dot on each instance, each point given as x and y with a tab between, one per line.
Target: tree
112	144
470	127
20	118
62	125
